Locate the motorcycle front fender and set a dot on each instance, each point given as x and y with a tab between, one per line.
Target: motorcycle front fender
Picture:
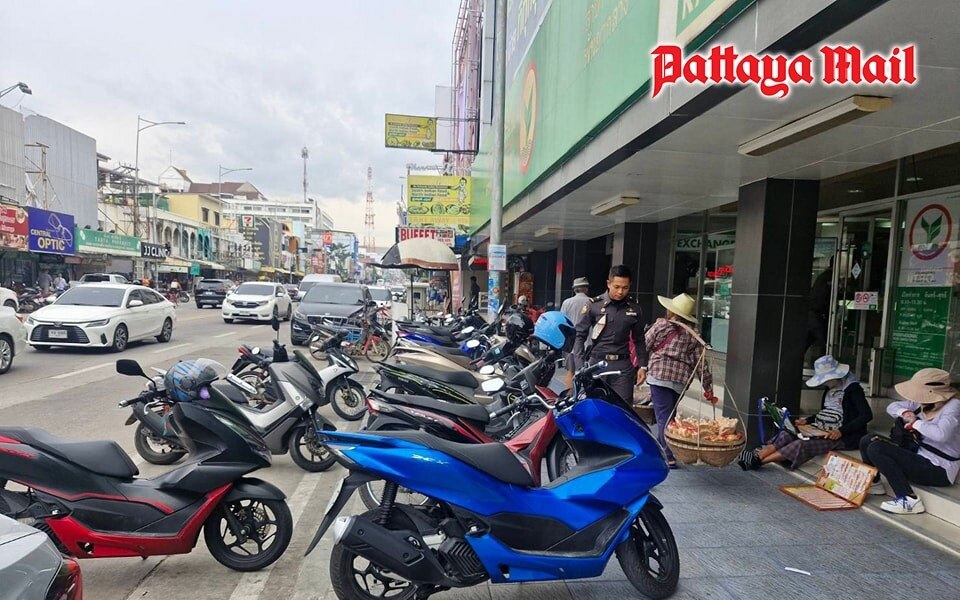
252	488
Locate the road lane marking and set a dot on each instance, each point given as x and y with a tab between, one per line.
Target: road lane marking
193	318
222	335
87	370
252	583
255	327
169	348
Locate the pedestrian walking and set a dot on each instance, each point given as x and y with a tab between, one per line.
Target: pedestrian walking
474	293
606	325
840	423
676	356
573	307
44	280
928	449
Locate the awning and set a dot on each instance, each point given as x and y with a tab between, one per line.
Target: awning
174	265
267	270
206	264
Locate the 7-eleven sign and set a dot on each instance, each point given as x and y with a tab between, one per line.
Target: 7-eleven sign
246	222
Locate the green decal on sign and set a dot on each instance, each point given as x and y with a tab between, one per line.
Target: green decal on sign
194	268
89	240
920	332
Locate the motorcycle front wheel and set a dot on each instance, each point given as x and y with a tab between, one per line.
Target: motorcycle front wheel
308	452
378	350
357	578
156	450
649	557
266	527
348	399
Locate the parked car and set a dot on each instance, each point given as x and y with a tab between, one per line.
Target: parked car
8	298
381	296
103	278
102	315
31	567
259	301
399	293
313	279
334	302
211	292
293	290
13	337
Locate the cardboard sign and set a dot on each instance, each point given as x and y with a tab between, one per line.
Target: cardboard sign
841	484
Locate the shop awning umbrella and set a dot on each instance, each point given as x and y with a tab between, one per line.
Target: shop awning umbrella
420	253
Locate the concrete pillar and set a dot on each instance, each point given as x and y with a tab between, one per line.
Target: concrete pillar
776	226
635	245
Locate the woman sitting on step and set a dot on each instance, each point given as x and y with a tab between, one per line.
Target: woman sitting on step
928	452
840	424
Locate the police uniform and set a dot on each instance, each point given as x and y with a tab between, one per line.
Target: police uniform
603	333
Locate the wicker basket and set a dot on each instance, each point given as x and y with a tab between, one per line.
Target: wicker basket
717	456
645	412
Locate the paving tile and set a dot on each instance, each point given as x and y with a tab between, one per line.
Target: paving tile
723	534
477	592
727	562
787	586
952	578
687	589
929	557
825	557
553	590
898	585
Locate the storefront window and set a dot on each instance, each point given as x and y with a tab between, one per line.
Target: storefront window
873	183
931	170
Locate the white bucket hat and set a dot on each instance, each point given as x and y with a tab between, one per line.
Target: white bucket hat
825	369
682	306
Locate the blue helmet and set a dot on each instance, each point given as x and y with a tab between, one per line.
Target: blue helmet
554	329
184	380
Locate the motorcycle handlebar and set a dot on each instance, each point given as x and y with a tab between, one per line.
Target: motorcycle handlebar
590	371
508	408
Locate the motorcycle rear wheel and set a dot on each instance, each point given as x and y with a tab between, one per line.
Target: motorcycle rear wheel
347	569
144	441
378	351
650	558
268	527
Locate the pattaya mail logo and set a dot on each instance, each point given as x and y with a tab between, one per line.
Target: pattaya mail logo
775	74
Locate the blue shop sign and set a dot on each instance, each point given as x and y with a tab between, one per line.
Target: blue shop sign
50	232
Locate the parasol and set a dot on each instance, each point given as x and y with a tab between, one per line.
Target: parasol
419	253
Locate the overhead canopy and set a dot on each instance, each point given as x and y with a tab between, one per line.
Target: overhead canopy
420	253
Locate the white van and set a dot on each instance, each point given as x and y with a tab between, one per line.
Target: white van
309	281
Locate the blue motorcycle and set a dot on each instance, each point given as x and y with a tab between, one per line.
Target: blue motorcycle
487	521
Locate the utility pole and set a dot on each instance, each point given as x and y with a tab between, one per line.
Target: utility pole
369	237
304	154
496	185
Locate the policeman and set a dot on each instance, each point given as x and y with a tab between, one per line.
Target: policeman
604	331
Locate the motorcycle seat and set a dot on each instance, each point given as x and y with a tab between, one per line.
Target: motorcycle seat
449	350
473	412
462	378
104	457
495	459
231	392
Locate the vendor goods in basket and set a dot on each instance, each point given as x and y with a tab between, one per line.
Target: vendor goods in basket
721	431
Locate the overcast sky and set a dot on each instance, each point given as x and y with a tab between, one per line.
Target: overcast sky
254	80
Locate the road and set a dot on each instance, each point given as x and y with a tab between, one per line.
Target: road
738	534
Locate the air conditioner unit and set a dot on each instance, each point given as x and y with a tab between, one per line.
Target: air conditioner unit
612	205
832	116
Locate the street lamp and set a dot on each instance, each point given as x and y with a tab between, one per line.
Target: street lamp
136	170
220	173
20	85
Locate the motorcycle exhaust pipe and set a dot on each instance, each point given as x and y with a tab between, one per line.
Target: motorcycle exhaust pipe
403	552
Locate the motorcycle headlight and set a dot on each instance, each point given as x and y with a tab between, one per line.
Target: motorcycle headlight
99	323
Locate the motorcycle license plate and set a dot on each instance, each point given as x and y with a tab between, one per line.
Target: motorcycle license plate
57	334
334	496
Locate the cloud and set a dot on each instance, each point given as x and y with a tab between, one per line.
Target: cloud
254	81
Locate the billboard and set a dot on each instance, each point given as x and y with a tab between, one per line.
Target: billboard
407	131
50	232
444	235
92	241
438	200
13	228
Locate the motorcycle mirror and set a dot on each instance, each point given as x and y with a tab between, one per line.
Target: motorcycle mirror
132	368
492	386
487	370
473	344
468	330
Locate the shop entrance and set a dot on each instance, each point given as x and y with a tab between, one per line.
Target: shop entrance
860	285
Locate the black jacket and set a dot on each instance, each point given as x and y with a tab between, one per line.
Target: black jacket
856	415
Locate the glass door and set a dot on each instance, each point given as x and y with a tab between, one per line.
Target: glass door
860	282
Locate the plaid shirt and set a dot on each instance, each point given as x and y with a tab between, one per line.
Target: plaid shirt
676	360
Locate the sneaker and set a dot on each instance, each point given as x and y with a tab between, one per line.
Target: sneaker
903	505
745	459
876	489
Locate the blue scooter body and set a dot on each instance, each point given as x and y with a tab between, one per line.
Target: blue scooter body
607	492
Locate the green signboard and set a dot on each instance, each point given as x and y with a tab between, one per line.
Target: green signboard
194	268
920	331
104	242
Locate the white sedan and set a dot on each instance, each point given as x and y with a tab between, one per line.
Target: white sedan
13	338
258	301
102	315
8	298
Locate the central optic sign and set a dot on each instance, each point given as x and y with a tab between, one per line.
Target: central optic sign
50	232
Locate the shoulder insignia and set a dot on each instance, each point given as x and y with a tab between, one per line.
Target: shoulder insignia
596	299
585	309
